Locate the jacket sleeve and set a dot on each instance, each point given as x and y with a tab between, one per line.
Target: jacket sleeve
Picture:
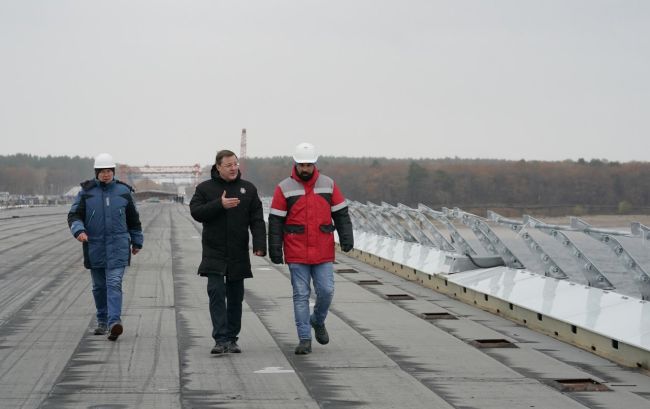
342	220
133	223
277	217
77	214
202	209
257	225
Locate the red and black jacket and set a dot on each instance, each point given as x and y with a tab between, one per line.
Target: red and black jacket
300	220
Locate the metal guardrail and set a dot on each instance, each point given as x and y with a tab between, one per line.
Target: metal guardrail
421	225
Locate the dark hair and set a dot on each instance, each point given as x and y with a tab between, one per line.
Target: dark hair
222	154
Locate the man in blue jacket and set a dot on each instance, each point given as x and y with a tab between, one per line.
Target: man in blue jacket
105	220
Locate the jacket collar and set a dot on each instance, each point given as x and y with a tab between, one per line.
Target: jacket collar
90	183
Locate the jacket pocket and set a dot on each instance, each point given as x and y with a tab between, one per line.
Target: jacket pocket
294	228
327	228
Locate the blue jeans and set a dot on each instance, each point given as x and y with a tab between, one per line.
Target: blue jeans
107	291
323	277
226	299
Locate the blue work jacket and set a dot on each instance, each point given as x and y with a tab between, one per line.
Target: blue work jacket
106	212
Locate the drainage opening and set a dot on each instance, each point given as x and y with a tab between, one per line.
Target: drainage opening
578	385
437	316
369	282
398	297
346	270
492	343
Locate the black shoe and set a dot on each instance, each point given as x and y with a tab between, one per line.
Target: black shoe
233	348
116	331
304	347
219	349
321	333
101	329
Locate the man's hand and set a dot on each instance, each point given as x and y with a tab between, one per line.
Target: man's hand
82	237
135	250
228	202
260	253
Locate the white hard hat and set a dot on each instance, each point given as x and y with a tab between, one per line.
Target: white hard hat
104	161
305	153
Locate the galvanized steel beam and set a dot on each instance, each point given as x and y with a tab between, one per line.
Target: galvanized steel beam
378	213
362	213
607	237
399	222
551	268
490	241
427	228
457	241
593	275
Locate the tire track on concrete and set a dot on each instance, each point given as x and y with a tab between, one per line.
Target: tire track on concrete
14	292
31	330
185	340
159	316
33	243
22	226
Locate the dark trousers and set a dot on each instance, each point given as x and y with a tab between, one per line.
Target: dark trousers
226	299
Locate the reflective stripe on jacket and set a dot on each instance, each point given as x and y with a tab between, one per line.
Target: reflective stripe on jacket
300	219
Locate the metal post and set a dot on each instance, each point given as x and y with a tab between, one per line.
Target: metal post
639	230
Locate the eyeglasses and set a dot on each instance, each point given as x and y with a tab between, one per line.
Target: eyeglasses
230	165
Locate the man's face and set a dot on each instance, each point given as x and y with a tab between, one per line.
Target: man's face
105	175
229	168
305	170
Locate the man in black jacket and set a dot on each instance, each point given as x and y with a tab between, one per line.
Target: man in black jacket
227	206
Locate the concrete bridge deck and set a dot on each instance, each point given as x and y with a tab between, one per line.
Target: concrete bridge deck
383	353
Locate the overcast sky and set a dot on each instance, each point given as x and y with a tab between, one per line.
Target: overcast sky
170	82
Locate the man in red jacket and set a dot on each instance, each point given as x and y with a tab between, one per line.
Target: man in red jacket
300	220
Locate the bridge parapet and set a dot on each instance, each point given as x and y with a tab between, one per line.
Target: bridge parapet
579	305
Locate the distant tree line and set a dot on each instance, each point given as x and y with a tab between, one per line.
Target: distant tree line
512	187
31	175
